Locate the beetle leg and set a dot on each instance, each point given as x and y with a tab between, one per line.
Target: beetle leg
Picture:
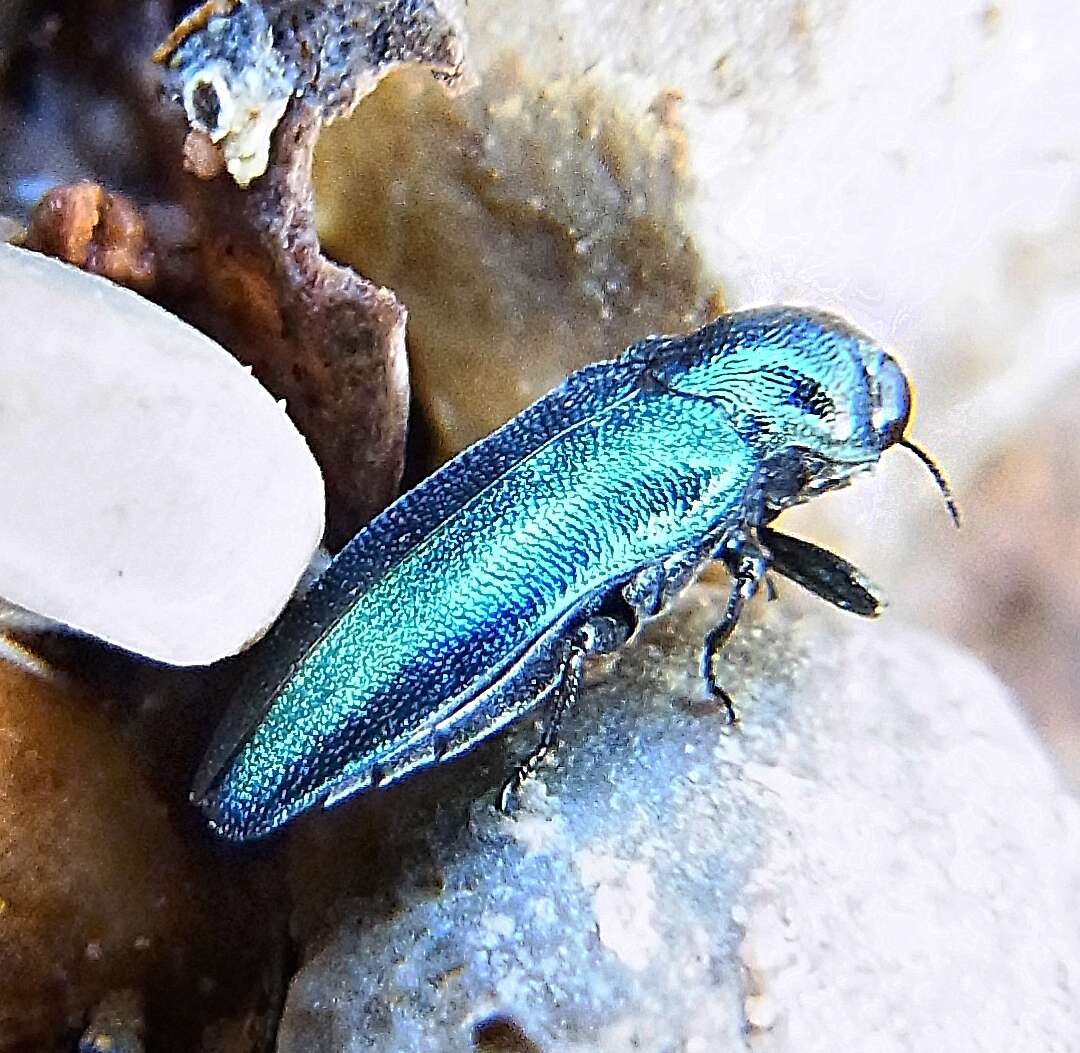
823	573
747	563
599	635
772	593
563	697
644	592
650	590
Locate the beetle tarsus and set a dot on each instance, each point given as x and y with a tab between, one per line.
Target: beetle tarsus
772	593
731	712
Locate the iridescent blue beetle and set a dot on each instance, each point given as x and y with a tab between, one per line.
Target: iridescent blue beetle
479	595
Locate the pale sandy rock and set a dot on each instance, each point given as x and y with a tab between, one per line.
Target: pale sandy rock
1009	588
910	164
155	495
880	857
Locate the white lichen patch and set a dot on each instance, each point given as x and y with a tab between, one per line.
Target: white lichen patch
235	87
624	905
538	827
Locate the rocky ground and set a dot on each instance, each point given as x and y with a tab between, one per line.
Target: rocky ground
879	857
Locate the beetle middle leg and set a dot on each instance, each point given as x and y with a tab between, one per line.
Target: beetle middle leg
747	563
823	573
600	635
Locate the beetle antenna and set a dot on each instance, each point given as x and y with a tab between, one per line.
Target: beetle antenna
939	477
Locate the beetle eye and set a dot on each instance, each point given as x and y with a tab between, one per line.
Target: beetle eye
890	401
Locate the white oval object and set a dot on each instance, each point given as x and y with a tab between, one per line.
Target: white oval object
154	494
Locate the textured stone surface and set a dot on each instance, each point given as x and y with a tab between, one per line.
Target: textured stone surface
236	64
319	335
880	857
117	915
529	226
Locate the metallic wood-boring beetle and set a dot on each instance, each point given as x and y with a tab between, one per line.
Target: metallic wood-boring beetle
478	595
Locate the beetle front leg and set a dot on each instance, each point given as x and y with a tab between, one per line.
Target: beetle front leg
600	635
747	563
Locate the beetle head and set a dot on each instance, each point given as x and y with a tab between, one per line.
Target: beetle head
790	378
816	398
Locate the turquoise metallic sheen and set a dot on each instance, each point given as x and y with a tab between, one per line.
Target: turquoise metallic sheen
448	616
